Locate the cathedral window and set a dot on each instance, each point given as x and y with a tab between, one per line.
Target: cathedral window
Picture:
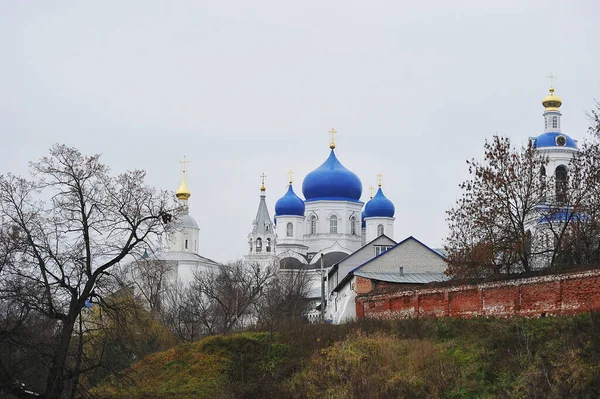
268	245
380	230
313	224
258	245
561	183
289	229
333	224
555	122
353	225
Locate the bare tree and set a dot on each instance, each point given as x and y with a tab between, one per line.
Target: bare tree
490	222
222	301
511	217
285	299
179	312
70	224
151	279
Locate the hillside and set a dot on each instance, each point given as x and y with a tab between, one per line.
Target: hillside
425	358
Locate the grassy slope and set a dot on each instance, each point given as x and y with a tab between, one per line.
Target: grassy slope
445	358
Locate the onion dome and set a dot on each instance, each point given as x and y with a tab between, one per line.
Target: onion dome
183	193
290	204
552	102
379	206
332	181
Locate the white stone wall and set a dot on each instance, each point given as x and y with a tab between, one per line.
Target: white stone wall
281	230
373	223
323	238
341	307
187	269
178	239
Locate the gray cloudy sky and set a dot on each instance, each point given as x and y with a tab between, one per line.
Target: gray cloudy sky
247	87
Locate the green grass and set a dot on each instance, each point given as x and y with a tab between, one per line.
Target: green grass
426	358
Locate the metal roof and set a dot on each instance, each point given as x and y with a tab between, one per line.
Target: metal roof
186	256
408	278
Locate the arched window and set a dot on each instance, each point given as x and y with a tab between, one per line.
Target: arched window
313	224
380	230
555	122
258	245
353	226
561	183
333	224
268	245
186	244
250	243
289	230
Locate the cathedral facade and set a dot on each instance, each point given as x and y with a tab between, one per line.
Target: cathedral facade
330	223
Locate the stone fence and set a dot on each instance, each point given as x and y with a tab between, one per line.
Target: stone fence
559	294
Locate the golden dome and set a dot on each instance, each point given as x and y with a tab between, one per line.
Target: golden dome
183	193
552	102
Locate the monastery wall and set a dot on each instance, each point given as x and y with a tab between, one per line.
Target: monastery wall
560	294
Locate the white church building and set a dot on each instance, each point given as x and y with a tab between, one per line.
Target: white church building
330	223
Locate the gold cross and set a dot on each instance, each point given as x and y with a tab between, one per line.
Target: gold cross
371	192
551	77
332	144
184	162
262	186
379	179
290	173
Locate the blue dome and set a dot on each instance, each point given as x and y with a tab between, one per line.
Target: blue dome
332	181
290	204
379	206
549	140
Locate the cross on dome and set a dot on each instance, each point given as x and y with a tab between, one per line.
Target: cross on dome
551	77
332	143
379	179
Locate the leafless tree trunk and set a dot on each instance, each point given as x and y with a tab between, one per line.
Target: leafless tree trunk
69	225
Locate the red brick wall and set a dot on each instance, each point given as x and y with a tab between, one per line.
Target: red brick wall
561	294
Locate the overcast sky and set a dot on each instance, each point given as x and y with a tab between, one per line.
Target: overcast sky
246	87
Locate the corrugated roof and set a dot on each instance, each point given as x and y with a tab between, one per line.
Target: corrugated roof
408	278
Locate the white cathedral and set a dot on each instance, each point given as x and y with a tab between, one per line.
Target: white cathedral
332	222
328	225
